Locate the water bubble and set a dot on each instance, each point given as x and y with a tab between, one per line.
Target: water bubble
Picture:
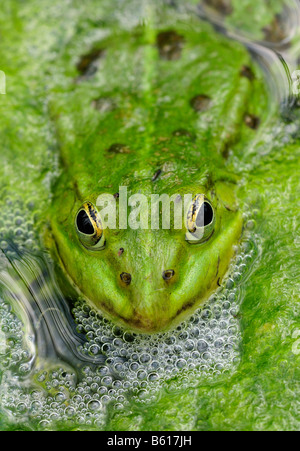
70	411
60	397
94	349
181	363
219	343
94	405
202	345
141	374
22	407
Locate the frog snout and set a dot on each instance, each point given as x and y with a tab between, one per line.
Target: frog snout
146	295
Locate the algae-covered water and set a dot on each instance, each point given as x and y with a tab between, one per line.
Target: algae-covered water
234	364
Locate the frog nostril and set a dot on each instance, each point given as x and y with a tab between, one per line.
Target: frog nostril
126	278
168	274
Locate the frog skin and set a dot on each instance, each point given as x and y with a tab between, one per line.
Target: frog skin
157	110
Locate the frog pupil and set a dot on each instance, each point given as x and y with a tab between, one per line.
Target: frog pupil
205	215
84	224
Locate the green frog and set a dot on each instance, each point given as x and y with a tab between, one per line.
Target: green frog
165	105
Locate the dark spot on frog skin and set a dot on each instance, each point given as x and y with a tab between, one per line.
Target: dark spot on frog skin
89	63
221	6
104	104
183	132
226	151
200	103
126	278
172	3
170	45
275	32
247	72
156	175
252	121
168	274
118	148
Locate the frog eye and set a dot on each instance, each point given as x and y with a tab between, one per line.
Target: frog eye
89	227
200	220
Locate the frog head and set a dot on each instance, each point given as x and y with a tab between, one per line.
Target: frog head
148	271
